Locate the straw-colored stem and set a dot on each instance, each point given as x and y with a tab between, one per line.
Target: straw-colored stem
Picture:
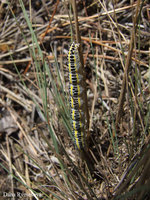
78	40
127	65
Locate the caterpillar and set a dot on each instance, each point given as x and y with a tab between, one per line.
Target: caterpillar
75	97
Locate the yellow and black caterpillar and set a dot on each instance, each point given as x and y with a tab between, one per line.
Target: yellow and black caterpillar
76	96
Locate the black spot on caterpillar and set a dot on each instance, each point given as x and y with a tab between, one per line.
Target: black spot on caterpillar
76	92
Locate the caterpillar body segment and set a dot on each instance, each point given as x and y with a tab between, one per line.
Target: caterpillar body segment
73	64
76	114
79	139
77	125
75	78
75	90
76	102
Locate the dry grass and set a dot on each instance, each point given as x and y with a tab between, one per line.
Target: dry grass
36	146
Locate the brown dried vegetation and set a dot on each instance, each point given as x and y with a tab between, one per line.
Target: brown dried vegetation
116	53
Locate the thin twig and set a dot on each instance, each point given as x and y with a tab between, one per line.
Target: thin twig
127	65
